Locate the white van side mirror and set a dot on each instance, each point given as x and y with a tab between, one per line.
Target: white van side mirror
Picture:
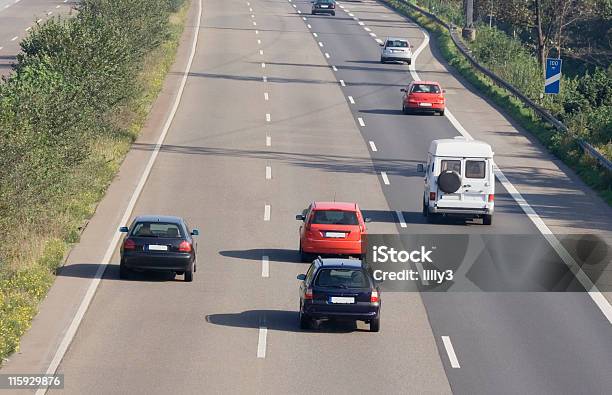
420	168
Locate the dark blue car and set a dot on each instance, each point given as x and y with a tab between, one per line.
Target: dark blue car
339	289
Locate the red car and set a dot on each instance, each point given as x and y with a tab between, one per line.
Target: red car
423	96
332	228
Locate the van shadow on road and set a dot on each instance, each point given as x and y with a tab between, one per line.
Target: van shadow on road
273	254
279	320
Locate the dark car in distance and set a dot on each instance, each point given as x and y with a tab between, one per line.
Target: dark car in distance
323	7
160	243
340	289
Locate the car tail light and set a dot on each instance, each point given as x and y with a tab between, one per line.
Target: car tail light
333	6
374	297
185	246
129	244
491	197
432	196
308	294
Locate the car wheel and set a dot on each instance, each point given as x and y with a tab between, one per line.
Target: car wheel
487	219
312	12
441	112
180	273
425	210
375	325
189	275
124	272
405	109
432	218
305	321
382	60
334	13
304	257
409	62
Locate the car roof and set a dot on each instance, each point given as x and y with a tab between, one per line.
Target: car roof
345	206
426	82
460	147
159	218
339	262
397	38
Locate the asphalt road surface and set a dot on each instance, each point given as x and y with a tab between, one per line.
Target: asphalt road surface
273	91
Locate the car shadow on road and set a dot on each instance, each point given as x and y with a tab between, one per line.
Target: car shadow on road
279	320
89	270
273	254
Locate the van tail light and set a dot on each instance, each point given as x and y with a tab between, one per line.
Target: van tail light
333	6
185	246
374	297
491	197
129	245
432	196
308	294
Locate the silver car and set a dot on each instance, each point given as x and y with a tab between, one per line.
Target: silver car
396	49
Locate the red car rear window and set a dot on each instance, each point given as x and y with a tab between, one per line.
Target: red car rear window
334	217
425	88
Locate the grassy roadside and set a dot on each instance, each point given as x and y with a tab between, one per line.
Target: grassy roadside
564	146
43	234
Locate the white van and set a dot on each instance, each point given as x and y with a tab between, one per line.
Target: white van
459	179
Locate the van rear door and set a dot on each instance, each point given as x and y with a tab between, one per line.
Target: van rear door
476	185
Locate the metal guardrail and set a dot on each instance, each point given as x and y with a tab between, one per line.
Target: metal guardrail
542	112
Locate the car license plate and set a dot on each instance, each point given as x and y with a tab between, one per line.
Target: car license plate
335	235
342	299
323	6
157	247
425	104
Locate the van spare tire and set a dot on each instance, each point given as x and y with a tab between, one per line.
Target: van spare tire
449	181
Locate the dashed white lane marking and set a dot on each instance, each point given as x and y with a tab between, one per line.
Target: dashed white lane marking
351	100
28	29
294	6
367	29
265	266
400	218
299	12
378	40
14	38
315	35
263	65
373	34
112	246
264	78
1	48
310	27
267	212
373	146
250	10
266	97
356	19
384	177
334	68
326	55
342	83
261	344
256	31
452	357
361	23
252	16
261	51
49	13
361	122
350	14
39	20
57	6
268	141
268	172
248	3
320	44
268	117
255	24
303	18
259	41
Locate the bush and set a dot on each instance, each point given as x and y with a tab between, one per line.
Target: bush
67	116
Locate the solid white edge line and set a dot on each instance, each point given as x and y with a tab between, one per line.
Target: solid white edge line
265	266
267	212
351	100
384	177
361	122
600	301
419	267
450	351
268	173
400	218
261	343
373	146
342	83
93	285
326	55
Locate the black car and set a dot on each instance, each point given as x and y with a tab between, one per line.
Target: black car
324	7
158	243
340	289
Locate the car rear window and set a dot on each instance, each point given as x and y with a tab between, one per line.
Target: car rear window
156	229
397	44
334	217
475	168
342	278
454	165
425	88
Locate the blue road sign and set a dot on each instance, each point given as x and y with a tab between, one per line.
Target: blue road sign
553	76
